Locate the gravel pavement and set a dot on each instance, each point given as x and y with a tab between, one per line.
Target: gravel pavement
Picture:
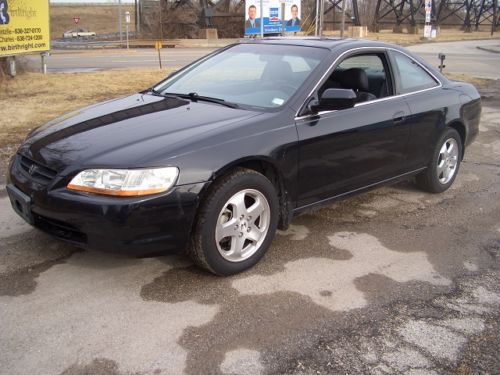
391	281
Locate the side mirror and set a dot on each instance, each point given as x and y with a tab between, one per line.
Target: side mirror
334	99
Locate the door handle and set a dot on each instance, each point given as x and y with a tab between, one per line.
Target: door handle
399	117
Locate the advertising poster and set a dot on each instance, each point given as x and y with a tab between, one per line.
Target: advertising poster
280	16
24	26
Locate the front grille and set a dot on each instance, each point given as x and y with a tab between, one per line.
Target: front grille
60	229
36	171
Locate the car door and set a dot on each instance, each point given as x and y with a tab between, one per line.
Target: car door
427	104
345	150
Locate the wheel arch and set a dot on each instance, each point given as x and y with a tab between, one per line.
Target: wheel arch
267	167
462	131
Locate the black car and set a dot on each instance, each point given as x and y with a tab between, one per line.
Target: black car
212	160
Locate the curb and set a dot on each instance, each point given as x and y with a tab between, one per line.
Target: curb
489	49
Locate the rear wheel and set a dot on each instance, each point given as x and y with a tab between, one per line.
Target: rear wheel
236	223
442	171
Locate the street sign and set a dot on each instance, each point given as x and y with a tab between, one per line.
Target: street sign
127	17
77	20
158	47
428	19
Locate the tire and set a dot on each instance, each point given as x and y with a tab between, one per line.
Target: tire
228	209
443	169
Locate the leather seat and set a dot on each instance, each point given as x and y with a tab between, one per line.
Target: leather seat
357	80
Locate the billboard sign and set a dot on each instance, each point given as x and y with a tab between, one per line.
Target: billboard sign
279	16
24	26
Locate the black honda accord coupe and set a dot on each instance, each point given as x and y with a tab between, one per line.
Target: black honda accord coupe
216	157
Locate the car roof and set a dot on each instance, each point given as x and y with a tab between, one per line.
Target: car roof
343	44
321	42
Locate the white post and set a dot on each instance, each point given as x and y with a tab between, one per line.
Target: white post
120	19
44	63
11	66
127	23
261	18
128	46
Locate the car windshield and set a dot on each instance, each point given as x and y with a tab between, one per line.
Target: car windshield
249	75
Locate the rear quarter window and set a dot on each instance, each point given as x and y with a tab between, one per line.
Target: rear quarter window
412	77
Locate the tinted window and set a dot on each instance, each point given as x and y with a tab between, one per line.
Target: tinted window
412	77
263	76
371	63
372	66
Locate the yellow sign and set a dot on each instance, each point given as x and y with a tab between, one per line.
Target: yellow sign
157	44
24	26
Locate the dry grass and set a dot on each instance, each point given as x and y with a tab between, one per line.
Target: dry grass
446	35
479	82
103	19
32	99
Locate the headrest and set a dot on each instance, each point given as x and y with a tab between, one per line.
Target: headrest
354	78
279	70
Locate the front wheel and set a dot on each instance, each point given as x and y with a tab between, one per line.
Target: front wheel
442	171
236	223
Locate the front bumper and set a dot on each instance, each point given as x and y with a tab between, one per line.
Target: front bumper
138	225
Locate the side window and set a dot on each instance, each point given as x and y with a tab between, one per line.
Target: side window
366	74
412	77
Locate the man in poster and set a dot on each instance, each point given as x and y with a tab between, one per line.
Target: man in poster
295	20
252	22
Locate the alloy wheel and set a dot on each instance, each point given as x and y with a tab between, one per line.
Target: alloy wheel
447	161
242	225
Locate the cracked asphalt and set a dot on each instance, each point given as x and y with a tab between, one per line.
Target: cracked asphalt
391	281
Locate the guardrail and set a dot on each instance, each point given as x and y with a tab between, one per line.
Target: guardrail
167	43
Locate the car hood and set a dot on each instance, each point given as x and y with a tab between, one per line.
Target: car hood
121	133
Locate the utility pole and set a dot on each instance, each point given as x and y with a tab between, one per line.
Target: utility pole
261	18
342	24
316	18
161	20
137	19
120	19
319	17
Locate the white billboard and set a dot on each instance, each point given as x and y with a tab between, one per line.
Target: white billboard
278	15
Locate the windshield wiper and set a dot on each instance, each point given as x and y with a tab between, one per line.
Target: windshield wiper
157	93
154	92
195	97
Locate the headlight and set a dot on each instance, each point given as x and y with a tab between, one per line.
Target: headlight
125	183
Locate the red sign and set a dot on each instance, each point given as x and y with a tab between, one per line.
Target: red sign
76	19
